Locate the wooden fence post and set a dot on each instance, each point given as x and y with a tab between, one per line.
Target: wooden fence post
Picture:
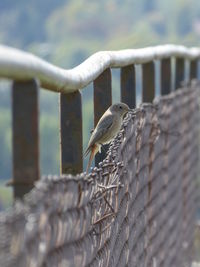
128	90
102	101
148	81
193	69
71	133
25	139
180	67
165	76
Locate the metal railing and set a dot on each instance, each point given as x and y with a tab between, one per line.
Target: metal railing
30	72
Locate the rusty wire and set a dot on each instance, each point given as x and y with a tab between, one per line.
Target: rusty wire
136	209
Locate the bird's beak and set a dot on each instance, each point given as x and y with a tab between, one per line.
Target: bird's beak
128	110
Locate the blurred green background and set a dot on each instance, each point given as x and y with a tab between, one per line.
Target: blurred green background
65	33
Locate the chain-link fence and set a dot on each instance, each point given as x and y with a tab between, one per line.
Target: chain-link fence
136	210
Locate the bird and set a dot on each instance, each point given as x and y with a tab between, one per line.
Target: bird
106	129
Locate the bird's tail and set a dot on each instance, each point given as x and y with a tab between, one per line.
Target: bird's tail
93	149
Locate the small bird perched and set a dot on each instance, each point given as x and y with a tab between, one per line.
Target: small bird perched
106	129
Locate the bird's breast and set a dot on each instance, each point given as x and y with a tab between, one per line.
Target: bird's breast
111	132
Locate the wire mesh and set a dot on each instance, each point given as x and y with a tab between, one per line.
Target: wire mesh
136	209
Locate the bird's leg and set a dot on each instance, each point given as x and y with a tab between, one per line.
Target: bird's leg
103	147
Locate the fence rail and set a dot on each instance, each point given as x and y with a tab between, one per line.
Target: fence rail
29	73
19	65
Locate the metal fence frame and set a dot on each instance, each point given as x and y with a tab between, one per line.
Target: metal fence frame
29	73
136	209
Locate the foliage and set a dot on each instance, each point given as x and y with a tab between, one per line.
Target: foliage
5	143
5	195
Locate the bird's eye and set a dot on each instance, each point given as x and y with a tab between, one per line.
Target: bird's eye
120	107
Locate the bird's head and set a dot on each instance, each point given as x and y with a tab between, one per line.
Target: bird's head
120	108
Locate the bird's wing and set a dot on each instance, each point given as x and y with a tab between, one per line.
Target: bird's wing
102	127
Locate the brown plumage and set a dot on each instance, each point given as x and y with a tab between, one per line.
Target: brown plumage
106	129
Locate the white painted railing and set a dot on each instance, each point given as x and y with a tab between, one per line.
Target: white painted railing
18	65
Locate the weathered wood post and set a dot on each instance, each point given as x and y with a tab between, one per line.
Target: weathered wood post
193	69
128	90
148	81
71	133
102	100
165	76
180	68
25	139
